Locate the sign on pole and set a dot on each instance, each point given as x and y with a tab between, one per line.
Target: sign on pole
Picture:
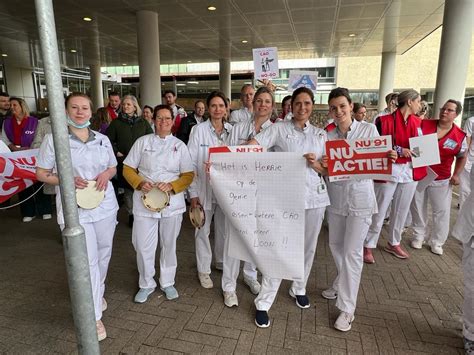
265	61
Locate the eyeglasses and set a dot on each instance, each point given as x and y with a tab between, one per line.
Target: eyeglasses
450	110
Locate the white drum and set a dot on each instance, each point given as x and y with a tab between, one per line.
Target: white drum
156	200
89	197
197	216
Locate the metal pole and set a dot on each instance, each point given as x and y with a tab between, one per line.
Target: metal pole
74	242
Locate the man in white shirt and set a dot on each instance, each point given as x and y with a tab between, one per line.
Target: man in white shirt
245	113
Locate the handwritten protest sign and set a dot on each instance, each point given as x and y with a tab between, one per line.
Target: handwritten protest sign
265	61
359	158
262	196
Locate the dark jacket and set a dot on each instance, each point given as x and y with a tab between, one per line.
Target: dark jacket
123	132
187	123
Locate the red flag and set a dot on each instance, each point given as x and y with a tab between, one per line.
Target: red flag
17	172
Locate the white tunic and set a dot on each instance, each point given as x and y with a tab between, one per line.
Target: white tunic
240	115
242	132
159	160
88	160
353	197
286	137
463	230
202	137
468	128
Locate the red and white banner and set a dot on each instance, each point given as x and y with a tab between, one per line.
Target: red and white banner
17	172
237	149
364	158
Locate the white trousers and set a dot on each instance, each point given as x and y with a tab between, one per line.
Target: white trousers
203	245
231	268
440	199
468	304
312	227
99	240
464	187
146	233
400	194
346	241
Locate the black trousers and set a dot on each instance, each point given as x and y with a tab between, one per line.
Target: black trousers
39	204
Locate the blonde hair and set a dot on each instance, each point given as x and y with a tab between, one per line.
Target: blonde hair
134	100
25	110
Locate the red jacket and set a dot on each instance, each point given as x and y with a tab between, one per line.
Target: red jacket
449	147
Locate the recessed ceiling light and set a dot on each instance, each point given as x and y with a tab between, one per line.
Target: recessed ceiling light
211	8
124	63
244	41
180	84
73	51
4	55
87	19
352	34
190	61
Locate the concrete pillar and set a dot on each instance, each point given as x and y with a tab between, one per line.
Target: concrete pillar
97	95
456	38
387	76
224	76
149	57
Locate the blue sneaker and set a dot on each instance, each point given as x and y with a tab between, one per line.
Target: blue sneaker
170	292
302	301
261	319
142	295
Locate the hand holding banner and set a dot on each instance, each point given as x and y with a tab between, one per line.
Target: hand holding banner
364	158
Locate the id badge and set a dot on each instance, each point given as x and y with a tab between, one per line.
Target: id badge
321	189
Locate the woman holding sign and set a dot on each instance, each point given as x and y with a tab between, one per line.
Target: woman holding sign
210	133
297	135
350	214
401	125
94	163
242	132
158	166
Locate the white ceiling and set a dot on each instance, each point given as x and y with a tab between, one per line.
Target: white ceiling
189	32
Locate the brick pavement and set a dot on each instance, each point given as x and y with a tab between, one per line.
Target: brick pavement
404	307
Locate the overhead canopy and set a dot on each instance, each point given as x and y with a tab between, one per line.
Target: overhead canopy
190	32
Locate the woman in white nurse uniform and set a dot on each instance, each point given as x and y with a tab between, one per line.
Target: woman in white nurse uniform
92	160
350	214
211	133
158	160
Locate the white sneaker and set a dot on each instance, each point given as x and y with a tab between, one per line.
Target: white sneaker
104	305
437	249
416	244
205	280
230	299
344	322
47	216
253	285
28	219
101	333
329	294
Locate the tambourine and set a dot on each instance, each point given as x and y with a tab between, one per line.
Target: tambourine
197	216
156	200
89	198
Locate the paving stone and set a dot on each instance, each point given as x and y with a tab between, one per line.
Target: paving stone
180	345
220	331
278	332
244	344
201	338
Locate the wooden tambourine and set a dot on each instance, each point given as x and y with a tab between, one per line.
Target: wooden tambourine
197	216
156	200
89	198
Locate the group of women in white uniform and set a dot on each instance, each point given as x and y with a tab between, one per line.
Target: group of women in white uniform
161	161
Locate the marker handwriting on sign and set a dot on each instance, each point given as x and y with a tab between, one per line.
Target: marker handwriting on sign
236	197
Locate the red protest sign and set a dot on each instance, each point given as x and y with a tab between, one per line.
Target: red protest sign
17	172
364	158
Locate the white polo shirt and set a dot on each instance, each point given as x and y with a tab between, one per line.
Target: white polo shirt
89	159
240	115
244	131
286	137
159	160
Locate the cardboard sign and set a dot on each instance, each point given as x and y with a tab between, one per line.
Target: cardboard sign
264	222
425	150
265	61
306	79
359	158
